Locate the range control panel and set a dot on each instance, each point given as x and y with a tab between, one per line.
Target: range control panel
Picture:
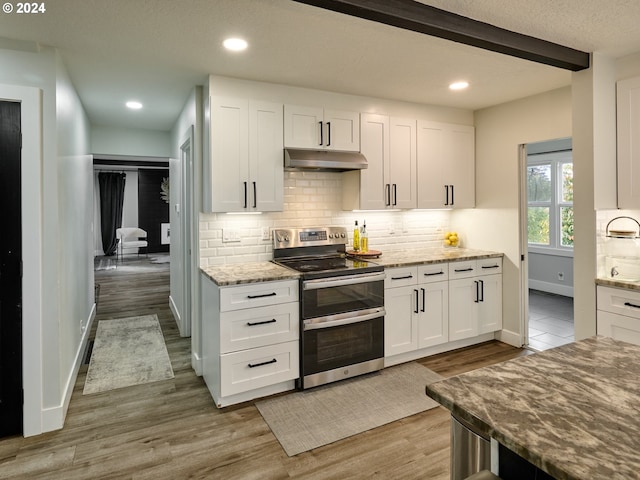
315	236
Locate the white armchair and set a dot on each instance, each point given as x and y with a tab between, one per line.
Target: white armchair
130	237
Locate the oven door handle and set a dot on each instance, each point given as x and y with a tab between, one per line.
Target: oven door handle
340	281
343	319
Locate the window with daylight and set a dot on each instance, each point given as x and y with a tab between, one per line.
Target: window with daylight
550	201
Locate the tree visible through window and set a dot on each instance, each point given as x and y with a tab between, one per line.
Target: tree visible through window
550	200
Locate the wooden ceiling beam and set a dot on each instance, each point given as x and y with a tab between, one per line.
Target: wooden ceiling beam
418	17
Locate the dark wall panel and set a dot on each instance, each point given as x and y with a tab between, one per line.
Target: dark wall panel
153	211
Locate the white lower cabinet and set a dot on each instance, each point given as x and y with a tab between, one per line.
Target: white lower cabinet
475	299
416	300
250	336
618	314
435	304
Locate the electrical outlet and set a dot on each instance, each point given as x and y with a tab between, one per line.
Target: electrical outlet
266	233
561	276
230	235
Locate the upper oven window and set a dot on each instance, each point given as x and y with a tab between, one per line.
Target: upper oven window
339	297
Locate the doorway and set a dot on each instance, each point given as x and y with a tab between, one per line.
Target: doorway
11	405
547	242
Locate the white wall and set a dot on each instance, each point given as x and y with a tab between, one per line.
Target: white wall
130	141
65	293
76	278
494	223
189	123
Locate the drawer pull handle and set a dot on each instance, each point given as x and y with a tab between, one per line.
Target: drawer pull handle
463	270
491	266
272	294
402	278
627	304
253	324
254	365
436	273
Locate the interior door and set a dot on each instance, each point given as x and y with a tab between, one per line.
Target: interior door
10	271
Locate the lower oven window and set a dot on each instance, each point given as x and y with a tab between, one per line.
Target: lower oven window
334	347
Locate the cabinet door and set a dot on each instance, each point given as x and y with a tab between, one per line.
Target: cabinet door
341	130
229	154
460	172
628	128
266	171
618	327
374	145
302	127
400	321
431	164
463	309
402	163
490	305
433	319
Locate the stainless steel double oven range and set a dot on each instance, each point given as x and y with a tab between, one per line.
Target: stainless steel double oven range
341	304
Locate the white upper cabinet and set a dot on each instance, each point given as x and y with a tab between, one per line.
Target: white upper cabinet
446	165
318	128
388	182
246	162
628	126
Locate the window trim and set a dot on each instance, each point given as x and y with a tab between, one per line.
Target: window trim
555	160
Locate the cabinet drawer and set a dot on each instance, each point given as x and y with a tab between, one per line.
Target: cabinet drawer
436	272
401	277
258	327
463	269
258	295
489	266
258	367
619	300
618	327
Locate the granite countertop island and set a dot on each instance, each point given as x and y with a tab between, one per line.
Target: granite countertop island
572	411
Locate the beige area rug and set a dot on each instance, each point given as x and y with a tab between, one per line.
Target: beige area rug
127	351
306	420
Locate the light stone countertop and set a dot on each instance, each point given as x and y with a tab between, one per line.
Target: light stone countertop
572	411
612	282
424	256
236	274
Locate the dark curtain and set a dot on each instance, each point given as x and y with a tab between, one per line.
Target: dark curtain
111	203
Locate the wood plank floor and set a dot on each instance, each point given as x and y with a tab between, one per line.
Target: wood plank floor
172	430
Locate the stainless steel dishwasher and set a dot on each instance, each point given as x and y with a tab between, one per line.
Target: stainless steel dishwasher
470	450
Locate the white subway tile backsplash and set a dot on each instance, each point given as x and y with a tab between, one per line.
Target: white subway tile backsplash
315	199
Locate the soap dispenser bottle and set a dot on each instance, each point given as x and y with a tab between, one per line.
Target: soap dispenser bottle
356	238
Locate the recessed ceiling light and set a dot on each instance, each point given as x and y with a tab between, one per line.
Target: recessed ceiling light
235	44
133	105
458	85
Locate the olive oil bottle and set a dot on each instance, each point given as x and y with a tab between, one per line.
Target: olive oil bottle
356	238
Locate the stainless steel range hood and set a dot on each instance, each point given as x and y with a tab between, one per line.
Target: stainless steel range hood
325	160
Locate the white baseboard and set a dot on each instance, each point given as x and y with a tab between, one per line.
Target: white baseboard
53	417
196	363
445	347
512	338
176	313
550	287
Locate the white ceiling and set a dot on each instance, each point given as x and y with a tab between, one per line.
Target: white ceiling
157	50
